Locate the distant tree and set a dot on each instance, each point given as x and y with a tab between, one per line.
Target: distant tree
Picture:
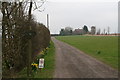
62	32
71	32
104	31
98	32
108	30
85	29
68	30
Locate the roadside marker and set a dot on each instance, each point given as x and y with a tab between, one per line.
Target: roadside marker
41	63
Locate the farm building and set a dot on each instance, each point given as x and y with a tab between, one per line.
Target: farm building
78	31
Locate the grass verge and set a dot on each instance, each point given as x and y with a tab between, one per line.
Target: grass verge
48	70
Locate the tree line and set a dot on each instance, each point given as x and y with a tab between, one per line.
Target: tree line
18	29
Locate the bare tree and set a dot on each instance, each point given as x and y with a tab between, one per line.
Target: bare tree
17	34
104	31
108	30
98	31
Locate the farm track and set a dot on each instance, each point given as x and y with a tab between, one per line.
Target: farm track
73	63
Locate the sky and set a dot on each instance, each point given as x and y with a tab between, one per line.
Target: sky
77	13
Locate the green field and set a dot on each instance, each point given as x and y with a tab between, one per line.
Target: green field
104	48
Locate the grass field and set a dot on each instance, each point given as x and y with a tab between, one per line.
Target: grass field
104	48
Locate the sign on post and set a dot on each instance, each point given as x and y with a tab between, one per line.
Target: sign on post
41	63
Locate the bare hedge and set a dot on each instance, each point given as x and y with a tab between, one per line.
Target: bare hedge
16	36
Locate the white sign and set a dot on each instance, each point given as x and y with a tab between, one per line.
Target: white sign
41	63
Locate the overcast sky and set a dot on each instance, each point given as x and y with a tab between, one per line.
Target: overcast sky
77	13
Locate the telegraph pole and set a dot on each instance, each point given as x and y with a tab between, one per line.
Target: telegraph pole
47	21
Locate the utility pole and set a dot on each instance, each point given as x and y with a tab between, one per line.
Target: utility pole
47	21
